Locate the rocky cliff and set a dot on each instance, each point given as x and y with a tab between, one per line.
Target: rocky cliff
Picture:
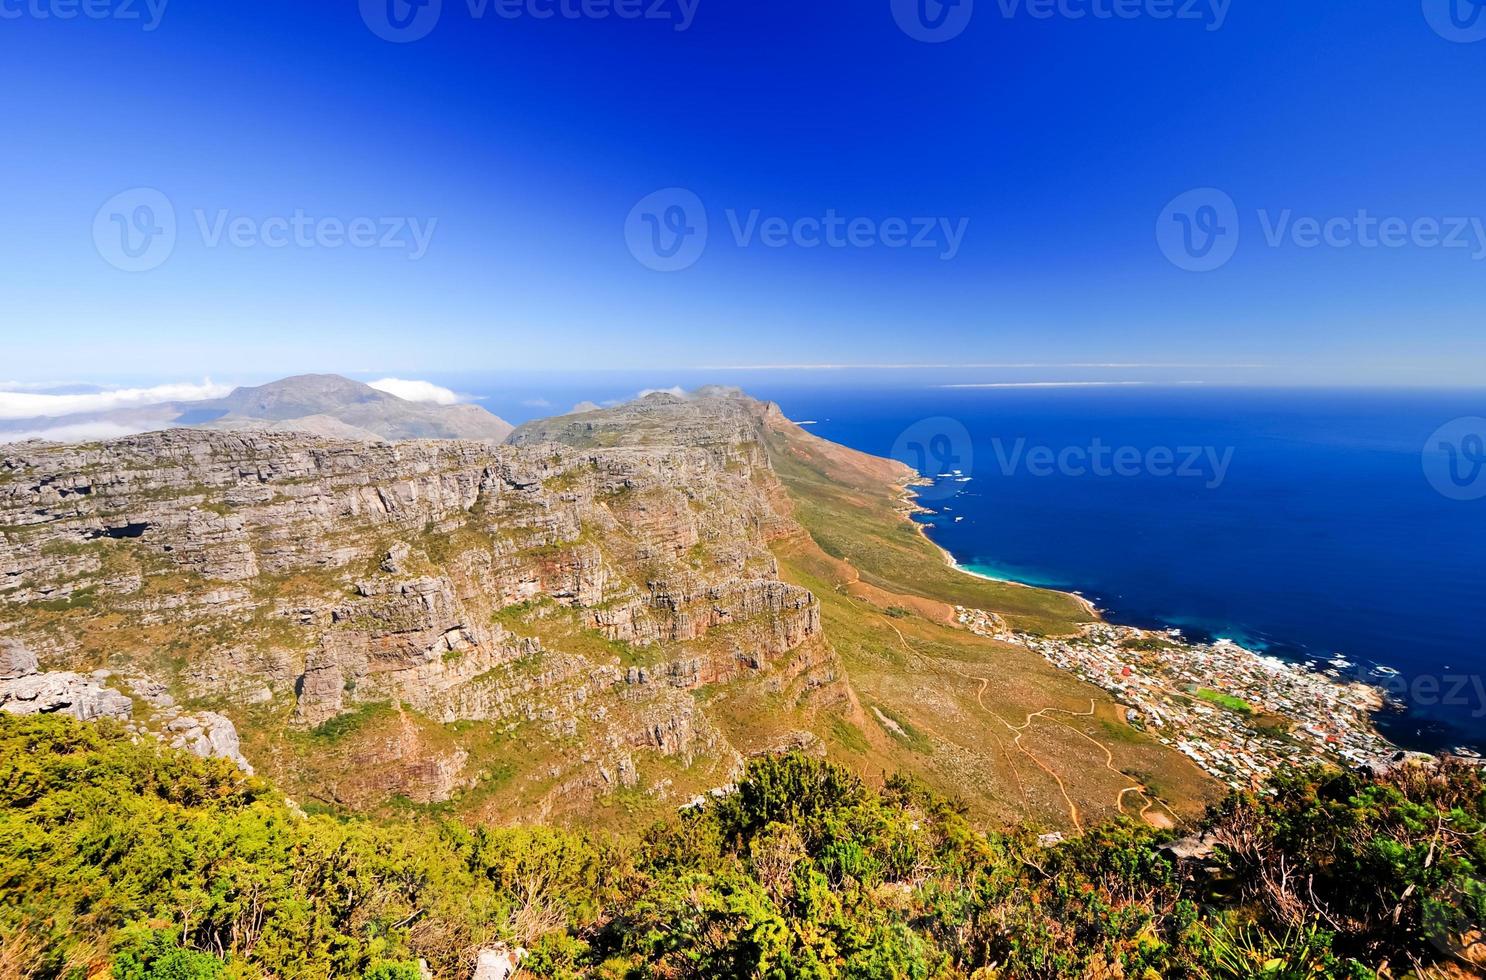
539	624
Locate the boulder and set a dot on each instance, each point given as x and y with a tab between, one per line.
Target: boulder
63	692
208	735
499	962
16	660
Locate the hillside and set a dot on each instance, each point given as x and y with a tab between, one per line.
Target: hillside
602	619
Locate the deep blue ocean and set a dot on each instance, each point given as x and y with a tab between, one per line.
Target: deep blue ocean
1302	523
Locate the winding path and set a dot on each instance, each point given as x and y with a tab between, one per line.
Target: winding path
1136	786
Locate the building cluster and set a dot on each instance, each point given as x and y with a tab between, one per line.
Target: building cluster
1236	713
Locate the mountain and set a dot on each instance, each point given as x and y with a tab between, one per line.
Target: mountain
317	404
600	620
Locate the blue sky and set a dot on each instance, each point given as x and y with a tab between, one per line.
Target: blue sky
519	145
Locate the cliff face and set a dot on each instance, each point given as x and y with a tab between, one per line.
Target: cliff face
533	623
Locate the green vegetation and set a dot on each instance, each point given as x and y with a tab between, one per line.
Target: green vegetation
1148	644
160	866
352	721
1228	701
82	599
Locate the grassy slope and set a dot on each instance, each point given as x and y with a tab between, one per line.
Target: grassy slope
986	721
853	508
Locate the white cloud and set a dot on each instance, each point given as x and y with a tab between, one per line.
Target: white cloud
30	404
77	432
676	390
416	391
1055	384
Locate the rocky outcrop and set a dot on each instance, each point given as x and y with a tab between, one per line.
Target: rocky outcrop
16	661
26	690
208	735
298	580
62	692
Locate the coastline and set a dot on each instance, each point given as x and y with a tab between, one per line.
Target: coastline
912	506
1160	691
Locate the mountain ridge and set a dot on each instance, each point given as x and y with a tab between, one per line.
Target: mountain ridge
600	619
319	404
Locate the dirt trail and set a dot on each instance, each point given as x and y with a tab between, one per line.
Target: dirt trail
1017	732
1136	786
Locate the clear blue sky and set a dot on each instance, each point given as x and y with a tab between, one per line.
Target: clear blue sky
1055	142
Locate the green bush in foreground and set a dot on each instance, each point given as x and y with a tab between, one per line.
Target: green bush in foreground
162	866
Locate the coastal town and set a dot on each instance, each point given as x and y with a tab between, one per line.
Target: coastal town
1237	714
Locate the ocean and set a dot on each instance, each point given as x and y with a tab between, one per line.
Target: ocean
1306	524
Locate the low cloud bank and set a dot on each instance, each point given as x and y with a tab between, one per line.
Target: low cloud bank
416	391
22	404
77	432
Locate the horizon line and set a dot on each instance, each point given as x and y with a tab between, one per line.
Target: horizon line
980	366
